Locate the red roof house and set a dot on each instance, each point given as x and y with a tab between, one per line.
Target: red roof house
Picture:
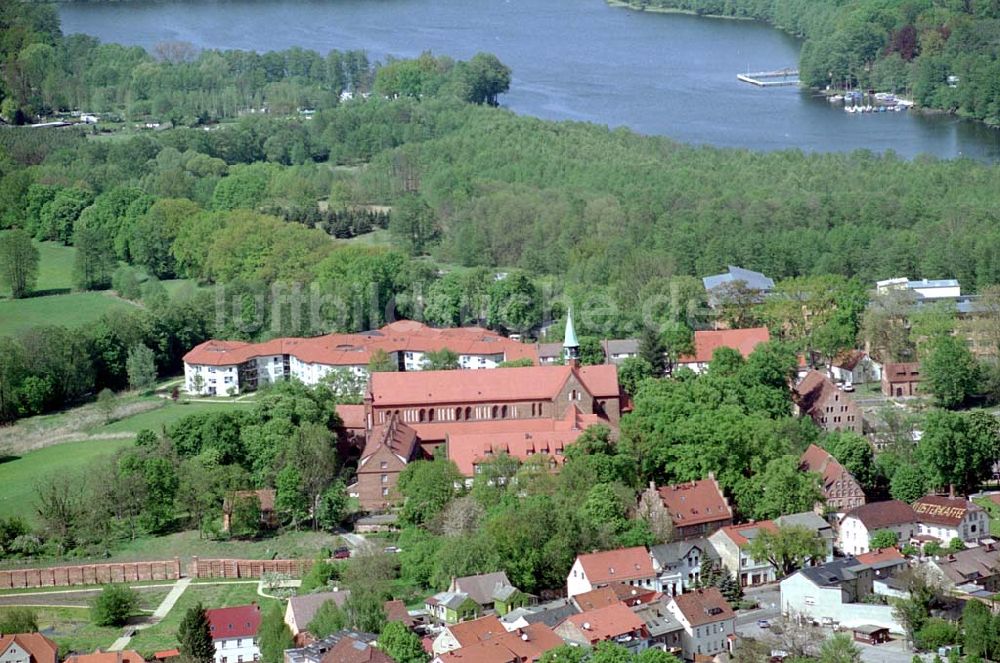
696	508
707	342
239	622
28	648
607	623
632	566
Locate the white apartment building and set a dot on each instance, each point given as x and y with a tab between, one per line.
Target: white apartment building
234	633
708	621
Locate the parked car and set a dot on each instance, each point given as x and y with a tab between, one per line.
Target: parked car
392	549
342	553
763	623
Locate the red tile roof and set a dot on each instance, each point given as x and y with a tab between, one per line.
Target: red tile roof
619	565
537	436
819	460
165	654
395	611
744	340
356	349
703	606
496	386
877	515
695	502
738	533
395	436
523	644
352	416
127	656
902	372
596	598
41	649
880	555
849	360
941	510
477	630
350	650
607	622
239	622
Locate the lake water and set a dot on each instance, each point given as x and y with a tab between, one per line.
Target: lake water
667	74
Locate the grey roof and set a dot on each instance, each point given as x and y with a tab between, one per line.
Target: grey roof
481	588
453	600
970	565
313	653
547	350
304	607
832	573
753	279
868	629
932	283
502	592
658	620
552	613
809	520
670	553
620	346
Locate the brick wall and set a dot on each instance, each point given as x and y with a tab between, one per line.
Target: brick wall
90	574
246	568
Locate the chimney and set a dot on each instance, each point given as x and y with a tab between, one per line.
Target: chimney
951	490
586	626
652	485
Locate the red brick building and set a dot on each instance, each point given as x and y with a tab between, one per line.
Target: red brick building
390	447
901	379
841	489
697	508
832	409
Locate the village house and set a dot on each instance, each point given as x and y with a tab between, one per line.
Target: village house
923	289
884	562
219	367
350	650
663	629
946	518
707	619
616	623
828	406
611	594
973	571
631	566
27	648
678	564
452	607
813	522
234	633
390	447
301	609
265	501
521	645
316	651
840	488
550	613
707	342
858	524
901	379
492	591
696	508
855	367
732	543
835	592
467	633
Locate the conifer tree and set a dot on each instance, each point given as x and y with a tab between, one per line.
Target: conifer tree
194	637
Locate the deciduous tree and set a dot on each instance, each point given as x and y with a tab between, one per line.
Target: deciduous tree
18	263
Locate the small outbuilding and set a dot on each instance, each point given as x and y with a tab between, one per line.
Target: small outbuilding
871	634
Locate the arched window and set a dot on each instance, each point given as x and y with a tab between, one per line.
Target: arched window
468	413
503	412
494	412
430	414
532	409
458	414
423	415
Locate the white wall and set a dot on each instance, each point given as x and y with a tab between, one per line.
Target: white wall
799	596
215	380
236	650
706	639
854	535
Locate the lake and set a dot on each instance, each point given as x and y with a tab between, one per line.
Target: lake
666	74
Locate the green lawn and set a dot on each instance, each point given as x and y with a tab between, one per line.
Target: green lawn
166	414
55	267
994	512
302	545
70	310
72	631
164	635
18	476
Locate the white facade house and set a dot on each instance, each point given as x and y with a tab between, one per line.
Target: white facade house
855	367
947	518
231	367
834	592
732	544
678	564
632	566
234	633
707	619
922	289
858	525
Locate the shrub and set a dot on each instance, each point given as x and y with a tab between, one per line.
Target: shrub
114	605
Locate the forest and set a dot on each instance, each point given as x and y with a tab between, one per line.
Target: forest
942	53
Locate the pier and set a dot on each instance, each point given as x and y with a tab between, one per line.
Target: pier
778	78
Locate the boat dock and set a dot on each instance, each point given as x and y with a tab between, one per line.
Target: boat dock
776	78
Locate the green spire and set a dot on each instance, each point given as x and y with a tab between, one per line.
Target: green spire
571	347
